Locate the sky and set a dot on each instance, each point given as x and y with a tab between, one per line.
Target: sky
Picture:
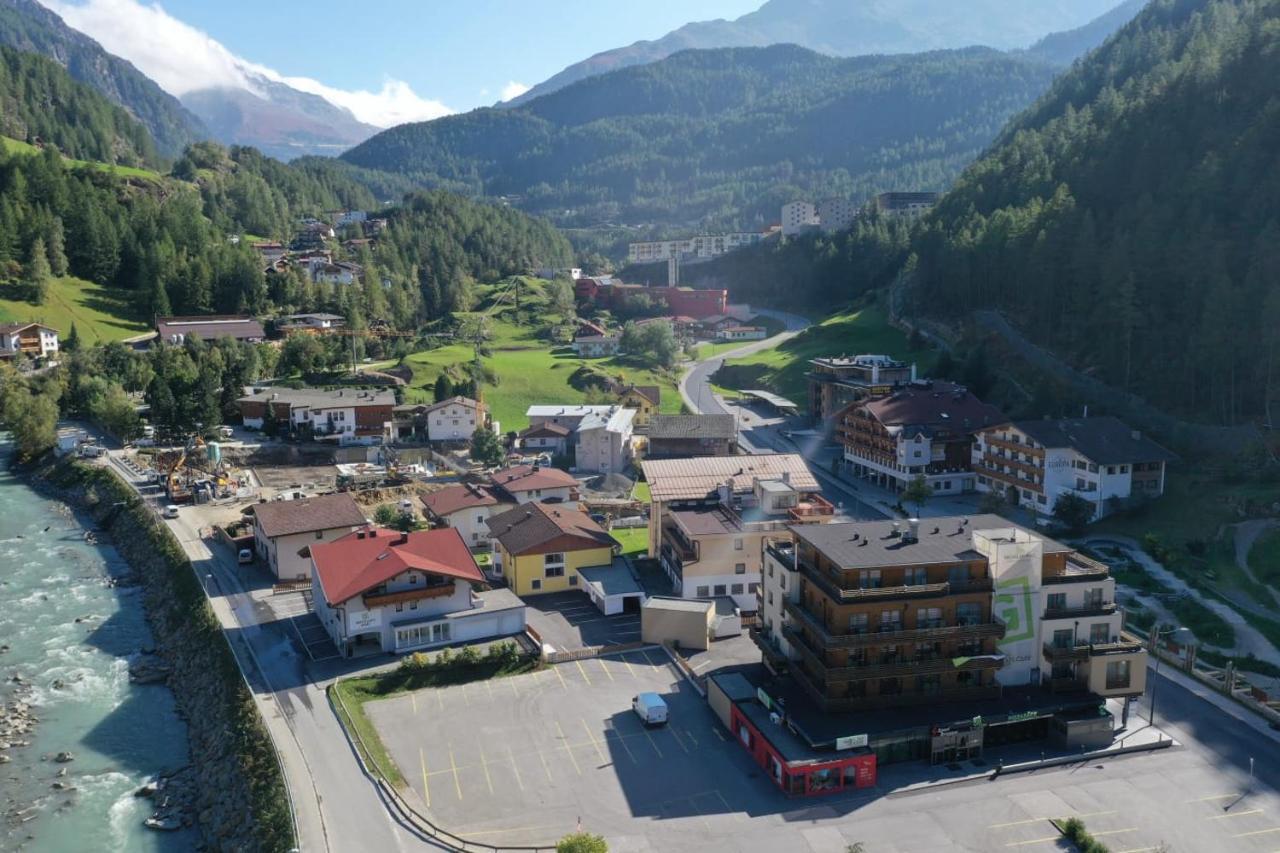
388	61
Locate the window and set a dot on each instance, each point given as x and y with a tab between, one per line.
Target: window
1099	632
770	596
553	571
1057	601
1093	597
1064	638
917	576
737	544
969	613
890	686
783	581
573	580
440	632
869	579
413	605
736	589
1124	469
413	578
929	617
1117	674
753	588
319	534
857	623
721	589
704	592
535	584
740	568
399	606
891	620
929	684
480	518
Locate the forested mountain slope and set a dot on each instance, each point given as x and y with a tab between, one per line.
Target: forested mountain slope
848	28
28	26
722	138
39	102
1131	218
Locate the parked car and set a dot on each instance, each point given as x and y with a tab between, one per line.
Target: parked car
226	432
171	511
650	708
245	557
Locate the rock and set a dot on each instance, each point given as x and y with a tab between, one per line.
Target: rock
59	684
62	771
162	823
64	757
16	679
62	786
4	759
148	790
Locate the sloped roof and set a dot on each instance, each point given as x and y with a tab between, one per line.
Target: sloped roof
1104	439
652	393
454	401
211	327
936	405
463	496
691	426
364	559
532	528
546	430
698	478
522	478
326	512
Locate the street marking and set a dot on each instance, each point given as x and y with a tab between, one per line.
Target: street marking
1235	814
583	670
556	670
484	764
1140	850
413	697
622	740
631	669
605	668
720	735
689	734
514	689
645	653
426	788
723	801
515	768
1214	797
1034	841
1258	832
594	742
1113	832
457	786
568	748
543	758
676	735
1017	823
653	743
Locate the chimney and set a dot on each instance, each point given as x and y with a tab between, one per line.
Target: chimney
786	477
373	533
403	538
913	530
360	534
897	530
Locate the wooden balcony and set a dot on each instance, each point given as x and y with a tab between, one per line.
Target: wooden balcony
1011	446
1085	612
927	590
899	666
1080	569
406	595
991	460
834	704
889	638
772	654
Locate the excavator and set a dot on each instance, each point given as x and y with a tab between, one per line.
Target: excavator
177	490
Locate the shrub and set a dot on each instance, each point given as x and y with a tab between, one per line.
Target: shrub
582	842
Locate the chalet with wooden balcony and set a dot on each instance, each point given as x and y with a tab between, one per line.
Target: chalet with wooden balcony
923	429
379	590
35	340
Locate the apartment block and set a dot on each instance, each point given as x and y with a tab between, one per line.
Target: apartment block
836	382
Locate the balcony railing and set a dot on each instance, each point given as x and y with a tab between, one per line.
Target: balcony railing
1068	684
1083	612
1080	569
814	508
925	590
833	704
887	638
884	669
1066	653
771	652
784	555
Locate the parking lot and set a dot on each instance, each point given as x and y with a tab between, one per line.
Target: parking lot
568	620
520	760
295	609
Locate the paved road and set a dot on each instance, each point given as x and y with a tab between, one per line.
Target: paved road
695	386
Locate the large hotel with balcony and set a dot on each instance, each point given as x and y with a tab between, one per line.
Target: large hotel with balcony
909	626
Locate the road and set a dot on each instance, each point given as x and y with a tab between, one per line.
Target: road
695	386
336	806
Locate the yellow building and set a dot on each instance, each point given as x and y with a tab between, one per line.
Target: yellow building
542	547
645	399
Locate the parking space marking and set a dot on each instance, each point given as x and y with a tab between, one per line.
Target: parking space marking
645	653
457	785
556	670
583	670
439	699
723	801
689	734
653	743
594	742
413	697
1140	850
484	765
426	788
1036	840
1016	823
631	669
568	748
605	668
542	757
675	734
622	739
1257	832
515	768
1214	797
720	734
488	686
520	829
514	690
1244	813
1106	832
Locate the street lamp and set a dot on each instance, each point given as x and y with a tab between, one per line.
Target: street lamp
1156	634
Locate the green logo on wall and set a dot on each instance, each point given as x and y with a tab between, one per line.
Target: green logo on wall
1013	607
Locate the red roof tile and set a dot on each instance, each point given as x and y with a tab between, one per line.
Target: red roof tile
359	561
522	478
449	500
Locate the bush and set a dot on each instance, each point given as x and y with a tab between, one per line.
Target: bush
582	842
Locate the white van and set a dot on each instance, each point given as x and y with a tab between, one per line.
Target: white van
650	708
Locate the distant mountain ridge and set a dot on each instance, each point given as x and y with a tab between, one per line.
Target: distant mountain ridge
850	28
27	26
722	138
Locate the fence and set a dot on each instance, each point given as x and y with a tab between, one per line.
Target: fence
419	822
592	652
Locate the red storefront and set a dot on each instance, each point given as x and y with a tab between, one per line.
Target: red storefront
804	775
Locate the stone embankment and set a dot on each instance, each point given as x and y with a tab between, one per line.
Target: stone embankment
232	790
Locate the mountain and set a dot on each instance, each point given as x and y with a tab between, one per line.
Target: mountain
1066	47
849	28
277	119
28	26
41	104
722	138
1130	219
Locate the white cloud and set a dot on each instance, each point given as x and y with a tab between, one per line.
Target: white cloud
514	90
182	59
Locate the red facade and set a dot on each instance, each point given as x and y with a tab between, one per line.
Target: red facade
808	778
679	300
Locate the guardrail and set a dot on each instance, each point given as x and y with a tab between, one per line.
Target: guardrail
420	822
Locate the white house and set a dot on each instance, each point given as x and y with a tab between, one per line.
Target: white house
798	217
524	483
547	438
1100	459
284	531
836	214
349	415
604	441
597	346
33	339
741	333
393	592
454	419
467	508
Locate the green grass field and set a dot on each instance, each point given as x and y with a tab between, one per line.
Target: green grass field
1264	558
782	369
634	540
15	146
100	315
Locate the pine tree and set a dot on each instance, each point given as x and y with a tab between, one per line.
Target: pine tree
72	342
37	274
56	246
444	388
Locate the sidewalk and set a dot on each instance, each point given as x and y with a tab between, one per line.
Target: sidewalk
1218	700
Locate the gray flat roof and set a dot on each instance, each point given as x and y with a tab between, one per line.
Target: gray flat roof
770	398
687	605
614	579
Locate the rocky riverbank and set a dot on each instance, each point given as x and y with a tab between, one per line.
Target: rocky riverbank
232	790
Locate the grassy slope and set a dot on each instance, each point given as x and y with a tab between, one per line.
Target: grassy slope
99	314
782	369
15	146
1264	558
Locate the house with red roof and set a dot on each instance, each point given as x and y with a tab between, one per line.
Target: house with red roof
380	590
466	507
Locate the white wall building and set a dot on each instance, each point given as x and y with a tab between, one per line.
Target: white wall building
836	214
798	217
1099	459
604	443
467	508
33	339
702	246
400	592
284	531
454	419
